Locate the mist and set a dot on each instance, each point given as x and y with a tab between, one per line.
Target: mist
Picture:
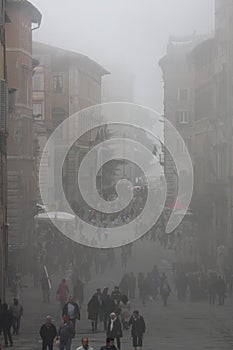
131	34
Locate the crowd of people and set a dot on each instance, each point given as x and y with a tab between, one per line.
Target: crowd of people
112	309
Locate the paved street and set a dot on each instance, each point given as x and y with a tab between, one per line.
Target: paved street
188	326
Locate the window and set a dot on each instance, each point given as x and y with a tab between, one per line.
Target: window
182	145
37	83
58	84
37	111
25	97
183	117
183	94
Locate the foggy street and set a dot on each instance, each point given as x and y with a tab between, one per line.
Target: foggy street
116	174
180	326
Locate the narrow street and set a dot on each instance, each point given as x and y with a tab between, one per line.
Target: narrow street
188	326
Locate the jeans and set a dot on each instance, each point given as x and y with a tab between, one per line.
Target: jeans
66	346
137	340
7	335
16	325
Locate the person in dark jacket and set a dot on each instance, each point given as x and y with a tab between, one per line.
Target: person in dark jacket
221	290
138	329
107	307
48	333
6	322
71	309
114	329
116	298
66	333
109	345
93	309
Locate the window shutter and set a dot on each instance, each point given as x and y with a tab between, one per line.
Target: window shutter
3	105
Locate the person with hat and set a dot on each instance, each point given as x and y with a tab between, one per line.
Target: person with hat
114	329
138	329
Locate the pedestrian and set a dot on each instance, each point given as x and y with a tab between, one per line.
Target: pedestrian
138	329
62	293
116	298
65	334
6	322
45	288
48	333
124	310
71	309
165	290
109	345
85	345
78	292
212	288
221	290
114	329
107	307
93	309
17	312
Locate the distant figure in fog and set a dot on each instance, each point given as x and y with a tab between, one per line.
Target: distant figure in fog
138	329
48	333
62	292
78	291
116	298
165	290
221	290
124	311
93	308
107	307
17	312
45	288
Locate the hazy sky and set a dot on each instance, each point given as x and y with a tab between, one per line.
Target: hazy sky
132	33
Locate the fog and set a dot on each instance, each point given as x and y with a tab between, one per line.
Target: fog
132	33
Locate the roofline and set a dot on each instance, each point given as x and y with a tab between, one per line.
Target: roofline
71	55
36	14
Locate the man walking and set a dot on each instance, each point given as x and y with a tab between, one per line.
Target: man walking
17	312
71	309
138	329
48	333
66	333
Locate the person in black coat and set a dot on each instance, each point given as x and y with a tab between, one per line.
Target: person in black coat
138	329
48	333
114	329
107	307
93	309
6	322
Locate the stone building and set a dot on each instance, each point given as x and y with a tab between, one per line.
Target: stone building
24	17
65	82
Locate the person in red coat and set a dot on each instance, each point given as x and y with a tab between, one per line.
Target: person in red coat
63	292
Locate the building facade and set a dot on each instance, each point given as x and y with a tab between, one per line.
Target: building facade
24	17
64	83
3	151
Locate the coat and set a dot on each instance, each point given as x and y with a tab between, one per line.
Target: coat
116	332
48	333
76	310
138	325
93	308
